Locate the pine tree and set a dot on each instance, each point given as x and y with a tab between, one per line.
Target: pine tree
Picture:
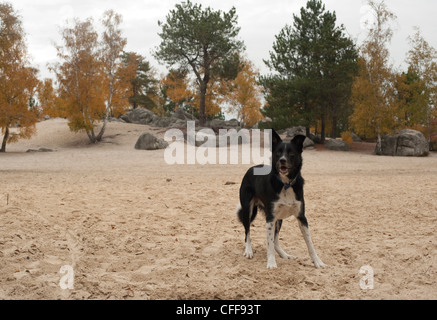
144	85
314	63
203	41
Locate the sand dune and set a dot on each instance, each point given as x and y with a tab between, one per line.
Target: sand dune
133	227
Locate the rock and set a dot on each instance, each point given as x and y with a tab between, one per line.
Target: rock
179	123
112	119
183	115
162	122
233	123
294	131
336	145
316	138
143	116
308	143
406	143
40	150
139	116
234	137
224	124
208	138
356	138
148	141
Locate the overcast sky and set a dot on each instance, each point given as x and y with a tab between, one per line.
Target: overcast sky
260	21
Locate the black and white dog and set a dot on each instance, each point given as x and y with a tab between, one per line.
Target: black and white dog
280	195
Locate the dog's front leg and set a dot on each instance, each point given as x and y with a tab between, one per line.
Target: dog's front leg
271	260
303	225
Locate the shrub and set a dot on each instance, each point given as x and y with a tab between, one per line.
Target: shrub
347	137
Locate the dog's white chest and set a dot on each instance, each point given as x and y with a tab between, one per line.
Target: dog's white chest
286	205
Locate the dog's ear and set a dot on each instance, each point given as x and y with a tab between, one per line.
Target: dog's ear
276	139
298	142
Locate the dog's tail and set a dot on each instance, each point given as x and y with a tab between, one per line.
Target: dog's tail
239	212
248	214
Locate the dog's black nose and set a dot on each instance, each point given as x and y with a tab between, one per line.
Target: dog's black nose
283	161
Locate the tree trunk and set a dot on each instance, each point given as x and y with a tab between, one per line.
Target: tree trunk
379	144
334	128
202	114
5	139
108	112
133	97
91	136
322	130
102	131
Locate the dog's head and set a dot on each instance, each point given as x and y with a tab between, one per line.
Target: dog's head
287	156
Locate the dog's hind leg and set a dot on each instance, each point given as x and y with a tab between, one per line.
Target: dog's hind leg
245	214
303	225
278	248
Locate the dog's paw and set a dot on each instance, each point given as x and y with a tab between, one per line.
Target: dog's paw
283	254
319	264
248	254
287	256
271	264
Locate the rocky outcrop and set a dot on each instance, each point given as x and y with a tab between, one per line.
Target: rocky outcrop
177	120
406	143
143	116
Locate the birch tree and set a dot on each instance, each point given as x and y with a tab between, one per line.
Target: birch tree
91	79
244	95
422	60
18	81
81	78
375	111
113	44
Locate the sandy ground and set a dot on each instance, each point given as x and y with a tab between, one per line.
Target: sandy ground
132	227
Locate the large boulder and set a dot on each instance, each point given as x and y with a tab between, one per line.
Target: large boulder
294	131
183	115
148	141
336	145
162	122
356	138
139	116
224	124
406	143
